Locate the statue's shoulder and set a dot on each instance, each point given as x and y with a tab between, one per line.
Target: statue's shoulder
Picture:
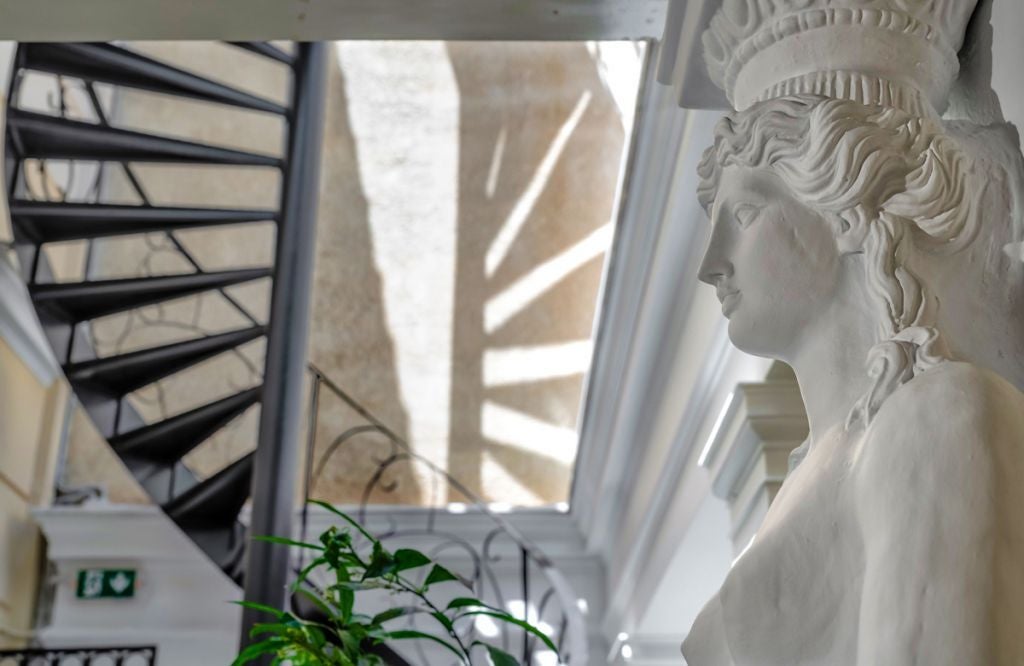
954	421
950	394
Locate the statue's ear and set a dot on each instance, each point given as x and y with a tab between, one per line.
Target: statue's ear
850	228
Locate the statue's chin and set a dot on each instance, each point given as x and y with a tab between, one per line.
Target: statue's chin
750	341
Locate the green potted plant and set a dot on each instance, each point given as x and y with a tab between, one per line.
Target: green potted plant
341	636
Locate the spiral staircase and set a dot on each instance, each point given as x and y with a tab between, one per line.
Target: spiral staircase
206	507
206	510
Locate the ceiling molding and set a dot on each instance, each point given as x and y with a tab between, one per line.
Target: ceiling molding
308	20
682	64
658	131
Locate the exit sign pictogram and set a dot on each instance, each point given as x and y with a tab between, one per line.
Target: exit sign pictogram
106	584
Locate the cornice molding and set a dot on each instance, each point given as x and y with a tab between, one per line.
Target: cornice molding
749	458
765	415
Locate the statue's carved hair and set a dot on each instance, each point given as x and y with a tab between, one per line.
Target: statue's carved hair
894	179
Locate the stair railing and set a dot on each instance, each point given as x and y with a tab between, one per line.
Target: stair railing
207	510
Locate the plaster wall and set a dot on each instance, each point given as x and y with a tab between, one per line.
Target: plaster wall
695	573
30	424
182	603
32	404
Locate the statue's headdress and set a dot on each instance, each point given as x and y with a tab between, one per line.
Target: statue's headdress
895	53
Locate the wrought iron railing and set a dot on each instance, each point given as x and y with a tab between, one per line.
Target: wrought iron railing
538	592
86	656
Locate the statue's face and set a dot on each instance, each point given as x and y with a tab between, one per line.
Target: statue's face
773	261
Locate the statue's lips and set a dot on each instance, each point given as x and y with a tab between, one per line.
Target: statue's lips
730	302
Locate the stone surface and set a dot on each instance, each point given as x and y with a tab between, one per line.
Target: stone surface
862	239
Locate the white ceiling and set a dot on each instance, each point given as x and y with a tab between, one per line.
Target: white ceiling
102	20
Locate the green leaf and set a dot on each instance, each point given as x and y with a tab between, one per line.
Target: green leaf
288	542
409	633
439	575
470	602
255	650
357	585
444	620
316	636
508	619
350	643
396	612
344	516
304	574
369	660
317	601
261	607
268	628
381	562
346	601
499	657
407	558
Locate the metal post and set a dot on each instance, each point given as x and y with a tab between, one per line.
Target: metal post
273	485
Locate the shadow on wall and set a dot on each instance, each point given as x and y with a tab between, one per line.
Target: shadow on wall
350	340
540	141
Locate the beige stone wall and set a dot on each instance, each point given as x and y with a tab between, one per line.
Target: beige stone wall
466	207
30	424
514	436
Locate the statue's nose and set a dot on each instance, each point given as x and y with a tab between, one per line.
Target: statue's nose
715	266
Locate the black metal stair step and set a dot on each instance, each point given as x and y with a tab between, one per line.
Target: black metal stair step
81	301
48	137
216	501
119	66
267	50
170	440
48	222
120	375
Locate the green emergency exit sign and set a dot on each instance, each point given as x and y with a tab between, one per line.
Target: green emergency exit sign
106	584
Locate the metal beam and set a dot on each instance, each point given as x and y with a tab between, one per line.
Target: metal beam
273	484
103	20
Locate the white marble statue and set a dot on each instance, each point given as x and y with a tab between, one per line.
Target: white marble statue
860	238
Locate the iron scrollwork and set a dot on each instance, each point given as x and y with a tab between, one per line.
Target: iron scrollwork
536	591
86	656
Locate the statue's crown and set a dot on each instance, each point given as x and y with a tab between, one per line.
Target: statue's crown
897	53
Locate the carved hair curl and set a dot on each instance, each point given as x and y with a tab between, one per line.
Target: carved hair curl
894	179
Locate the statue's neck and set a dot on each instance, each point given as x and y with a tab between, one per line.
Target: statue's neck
830	363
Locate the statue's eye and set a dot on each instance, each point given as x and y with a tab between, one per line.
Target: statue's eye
746	214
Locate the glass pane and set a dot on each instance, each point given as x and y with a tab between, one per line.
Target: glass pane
466	211
462	249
